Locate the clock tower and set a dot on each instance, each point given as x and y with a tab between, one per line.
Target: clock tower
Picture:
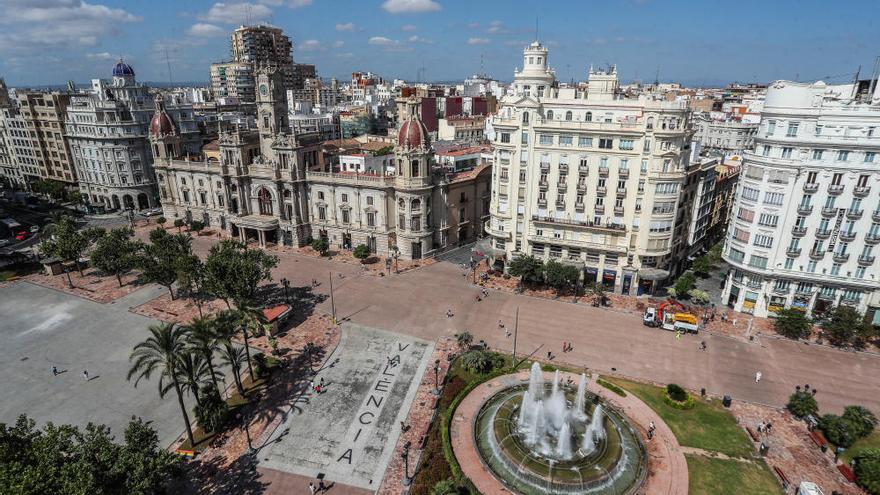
271	107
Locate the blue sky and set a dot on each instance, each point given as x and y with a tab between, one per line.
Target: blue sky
713	42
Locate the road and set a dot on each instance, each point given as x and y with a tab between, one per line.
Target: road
415	303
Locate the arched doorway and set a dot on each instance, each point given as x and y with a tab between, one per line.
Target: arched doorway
264	198
115	204
143	201
128	201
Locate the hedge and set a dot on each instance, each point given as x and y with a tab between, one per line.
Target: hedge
612	387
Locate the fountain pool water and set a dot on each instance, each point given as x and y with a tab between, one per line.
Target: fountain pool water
546	438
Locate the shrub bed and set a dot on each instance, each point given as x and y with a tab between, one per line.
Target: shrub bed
612	387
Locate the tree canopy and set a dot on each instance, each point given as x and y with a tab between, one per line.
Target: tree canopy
159	260
233	271
792	323
528	268
843	326
560	276
867	469
65	242
62	459
116	253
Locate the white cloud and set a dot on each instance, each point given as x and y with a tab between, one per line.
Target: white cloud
204	30
516	43
410	6
383	41
47	24
419	39
101	56
295	4
237	13
497	27
478	41
348	26
311	46
345	55
408	27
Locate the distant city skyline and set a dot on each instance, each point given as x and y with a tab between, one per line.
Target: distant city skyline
697	43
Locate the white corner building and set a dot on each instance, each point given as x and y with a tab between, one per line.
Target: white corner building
588	177
806	218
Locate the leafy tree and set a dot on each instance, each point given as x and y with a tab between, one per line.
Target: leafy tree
212	411
64	460
802	404
191	279
233	271
361	252
261	365
179	223
867	469
843	326
159	260
65	242
482	361
202	337
445	487
699	296
861	420
321	245
529	269
560	276
684	284
464	339
161	220
253	317
196	226
116	253
792	323
714	254
676	392
598	293
192	372
50	188
836	430
160	353
702	266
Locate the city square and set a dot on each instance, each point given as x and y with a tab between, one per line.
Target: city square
435	247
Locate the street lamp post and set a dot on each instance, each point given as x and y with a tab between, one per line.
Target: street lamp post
436	377
515	332
286	284
332	300
244	425
406	479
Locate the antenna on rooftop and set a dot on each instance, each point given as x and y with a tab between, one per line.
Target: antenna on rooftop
657	77
536	28
168	62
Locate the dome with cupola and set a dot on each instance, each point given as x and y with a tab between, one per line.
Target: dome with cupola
122	69
161	124
413	133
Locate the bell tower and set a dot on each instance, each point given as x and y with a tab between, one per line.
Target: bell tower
413	151
164	134
271	107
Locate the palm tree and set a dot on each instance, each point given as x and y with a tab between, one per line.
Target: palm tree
160	353
234	357
202	337
192	371
252	316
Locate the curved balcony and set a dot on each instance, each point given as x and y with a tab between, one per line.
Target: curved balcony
823	234
861	191
811	187
562	187
805	210
835	189
872	238
854	214
793	252
817	255
601	190
543	185
621	191
840	257
866	260
847	236
829	212
623	172
603	171
798	231
875	215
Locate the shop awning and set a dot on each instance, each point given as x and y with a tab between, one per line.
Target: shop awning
653	274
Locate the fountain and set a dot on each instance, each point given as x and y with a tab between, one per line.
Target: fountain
546	438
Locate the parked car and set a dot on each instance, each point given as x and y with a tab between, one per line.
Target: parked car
34	229
152	213
4	242
22	235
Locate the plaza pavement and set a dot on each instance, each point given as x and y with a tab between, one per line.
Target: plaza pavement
348	431
42	327
415	303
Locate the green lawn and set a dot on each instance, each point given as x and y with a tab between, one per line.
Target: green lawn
871	441
707	426
707	475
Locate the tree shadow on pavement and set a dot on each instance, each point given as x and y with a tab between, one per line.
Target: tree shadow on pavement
211	476
303	301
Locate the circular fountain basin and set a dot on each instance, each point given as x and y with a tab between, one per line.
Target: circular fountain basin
615	463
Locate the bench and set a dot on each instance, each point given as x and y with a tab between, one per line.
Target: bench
847	472
752	434
818	440
785	481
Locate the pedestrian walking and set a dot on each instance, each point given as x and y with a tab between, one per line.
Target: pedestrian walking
449	313
760	427
767	428
549	355
312	488
54	371
321	486
322	381
758	376
86	375
564	346
500	324
703	345
507	333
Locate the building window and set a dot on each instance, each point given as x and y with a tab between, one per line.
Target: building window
505	137
549	114
525	118
786	152
792	129
606	143
773	198
771	127
789	263
765	241
264	198
321	195
869	157
842	155
568	115
371	219
345	198
545	139
565	140
626	144
369	201
758	261
416	223
817	154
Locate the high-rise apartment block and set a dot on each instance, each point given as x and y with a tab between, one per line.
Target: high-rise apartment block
44	115
806	222
588	177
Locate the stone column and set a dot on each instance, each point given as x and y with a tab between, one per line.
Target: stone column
262	237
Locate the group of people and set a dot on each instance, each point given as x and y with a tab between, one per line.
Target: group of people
765	427
317	388
85	373
319	488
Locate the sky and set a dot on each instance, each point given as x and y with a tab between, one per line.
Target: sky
708	42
